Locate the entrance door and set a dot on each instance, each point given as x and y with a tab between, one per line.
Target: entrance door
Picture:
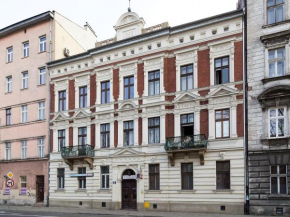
129	191
39	188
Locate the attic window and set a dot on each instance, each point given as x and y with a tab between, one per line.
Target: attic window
86	64
124	54
214	32
101	60
116	54
170	42
58	71
132	51
108	58
192	37
140	48
149	47
159	44
65	69
72	67
238	25
226	28
79	66
181	40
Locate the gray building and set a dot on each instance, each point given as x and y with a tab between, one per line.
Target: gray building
268	71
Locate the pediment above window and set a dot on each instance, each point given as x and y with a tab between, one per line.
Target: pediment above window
275	96
127	106
276	38
222	91
127	152
81	114
59	117
186	97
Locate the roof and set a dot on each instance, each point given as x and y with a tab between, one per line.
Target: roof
150	35
26	23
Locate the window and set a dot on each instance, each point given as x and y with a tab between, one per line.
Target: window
221	68
105	177
83	93
187	124
61	139
105	92
8	116
154	180
42	44
105	135
41	147
8	151
128	133
62	100
222	123
186	77
23	149
60	178
24	80
154	83
279	179
9	84
276	62
41	110
277	118
129	87
82	135
42	76
9	54
25	49
82	179
23	185
223	175
154	130
187	176
275	10
24	114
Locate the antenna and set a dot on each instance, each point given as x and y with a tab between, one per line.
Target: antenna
129	8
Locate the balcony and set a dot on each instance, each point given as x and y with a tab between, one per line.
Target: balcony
81	152
186	144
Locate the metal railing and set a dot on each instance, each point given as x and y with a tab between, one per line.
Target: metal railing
78	151
186	142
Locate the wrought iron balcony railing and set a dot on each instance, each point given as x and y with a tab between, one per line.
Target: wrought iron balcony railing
186	142
77	151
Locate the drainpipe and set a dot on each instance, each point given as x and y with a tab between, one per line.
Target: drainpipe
245	87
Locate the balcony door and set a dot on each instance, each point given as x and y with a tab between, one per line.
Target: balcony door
187	125
82	140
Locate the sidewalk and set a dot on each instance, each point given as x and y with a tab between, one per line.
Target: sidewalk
112	212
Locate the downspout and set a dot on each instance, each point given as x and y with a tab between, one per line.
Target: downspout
245	87
49	100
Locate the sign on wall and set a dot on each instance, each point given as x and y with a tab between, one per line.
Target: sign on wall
10	175
9	183
82	175
129	177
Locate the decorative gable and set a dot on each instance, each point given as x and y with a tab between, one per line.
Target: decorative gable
81	114
59	117
222	91
127	152
185	97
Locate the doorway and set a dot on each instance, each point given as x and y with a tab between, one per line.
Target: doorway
39	188
129	190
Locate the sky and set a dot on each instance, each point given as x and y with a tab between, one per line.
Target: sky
102	15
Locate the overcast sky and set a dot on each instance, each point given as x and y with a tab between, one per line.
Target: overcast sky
102	15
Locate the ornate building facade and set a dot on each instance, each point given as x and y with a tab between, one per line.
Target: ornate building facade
151	119
268	106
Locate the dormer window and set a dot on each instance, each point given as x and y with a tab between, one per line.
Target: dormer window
275	11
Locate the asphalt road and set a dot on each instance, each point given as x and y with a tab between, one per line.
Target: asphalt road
12	213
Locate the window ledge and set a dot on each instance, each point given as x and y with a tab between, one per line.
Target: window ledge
153	191
186	191
8	92
9	62
223	191
81	190
42	52
278	196
24	57
39	85
105	190
59	190
283	77
275	24
23	89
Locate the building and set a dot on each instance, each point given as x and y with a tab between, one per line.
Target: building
151	118
268	72
26	47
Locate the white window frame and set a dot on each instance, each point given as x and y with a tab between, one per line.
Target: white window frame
8	151
61	181
278	175
25	80
105	174
25	49
42	44
23	182
275	6
40	147
8	84
81	81
275	60
24	149
41	110
24	114
9	55
42	74
276	118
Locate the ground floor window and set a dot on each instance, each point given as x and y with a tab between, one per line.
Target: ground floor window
60	178
187	176
105	177
154	180
82	179
23	185
279	179
223	175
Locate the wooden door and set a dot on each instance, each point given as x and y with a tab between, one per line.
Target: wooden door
129	194
39	188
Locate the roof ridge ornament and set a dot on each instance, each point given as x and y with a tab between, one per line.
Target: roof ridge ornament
129	8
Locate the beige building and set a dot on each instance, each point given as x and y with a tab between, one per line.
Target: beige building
25	48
